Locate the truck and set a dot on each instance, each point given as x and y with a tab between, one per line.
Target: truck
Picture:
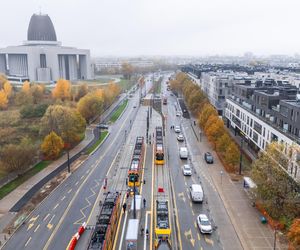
132	234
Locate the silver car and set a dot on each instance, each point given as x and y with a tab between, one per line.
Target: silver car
187	170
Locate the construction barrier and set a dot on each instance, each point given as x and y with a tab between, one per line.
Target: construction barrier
75	238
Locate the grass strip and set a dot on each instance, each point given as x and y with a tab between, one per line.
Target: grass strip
92	148
118	111
9	187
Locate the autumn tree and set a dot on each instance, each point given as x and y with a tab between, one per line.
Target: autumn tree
232	155
52	146
37	92
205	113
3	99
26	87
127	70
223	142
82	90
90	105
294	234
62	90
215	131
64	121
276	190
7	89
17	157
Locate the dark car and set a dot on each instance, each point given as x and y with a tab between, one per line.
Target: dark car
208	158
102	126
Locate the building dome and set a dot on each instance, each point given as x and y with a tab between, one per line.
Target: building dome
41	28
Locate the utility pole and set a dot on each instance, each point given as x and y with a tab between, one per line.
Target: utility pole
134	206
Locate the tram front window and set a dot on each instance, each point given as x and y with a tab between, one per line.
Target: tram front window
159	156
133	178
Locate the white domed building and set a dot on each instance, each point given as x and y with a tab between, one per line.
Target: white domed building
42	58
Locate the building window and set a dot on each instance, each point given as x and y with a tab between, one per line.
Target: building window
264	132
257	127
255	137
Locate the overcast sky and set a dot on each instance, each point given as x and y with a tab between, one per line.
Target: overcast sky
162	27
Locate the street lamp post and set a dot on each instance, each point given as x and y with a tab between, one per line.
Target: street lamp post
134	206
241	156
68	154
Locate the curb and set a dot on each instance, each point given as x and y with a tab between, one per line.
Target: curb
104	139
122	111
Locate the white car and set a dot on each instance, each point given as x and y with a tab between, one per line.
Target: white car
204	224
187	170
180	137
177	129
178	114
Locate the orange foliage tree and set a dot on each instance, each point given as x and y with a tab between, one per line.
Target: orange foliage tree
52	145
232	156
205	113
3	99
294	234
62	90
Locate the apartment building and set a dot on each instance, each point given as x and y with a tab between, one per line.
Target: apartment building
266	112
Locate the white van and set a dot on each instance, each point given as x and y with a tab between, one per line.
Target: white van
196	192
183	153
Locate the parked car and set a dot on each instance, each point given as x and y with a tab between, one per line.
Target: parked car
177	129
180	137
204	224
178	114
102	126
186	170
208	158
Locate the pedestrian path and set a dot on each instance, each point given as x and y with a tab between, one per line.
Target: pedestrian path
244	217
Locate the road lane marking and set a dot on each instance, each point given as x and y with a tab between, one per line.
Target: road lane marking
152	199
27	242
76	183
191	205
189	236
64	197
49	226
198	236
81	177
98	197
144	165
88	171
36	228
80	187
195	224
45	218
146	226
34	218
118	227
70	190
52	218
208	241
80	221
123	230
55	206
30	226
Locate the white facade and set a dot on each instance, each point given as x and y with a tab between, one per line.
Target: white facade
260	133
42	58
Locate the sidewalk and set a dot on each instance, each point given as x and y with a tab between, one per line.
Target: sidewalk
244	217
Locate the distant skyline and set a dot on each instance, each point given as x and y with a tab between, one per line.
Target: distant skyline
156	27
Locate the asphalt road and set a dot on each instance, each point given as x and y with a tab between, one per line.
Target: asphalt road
187	211
58	217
